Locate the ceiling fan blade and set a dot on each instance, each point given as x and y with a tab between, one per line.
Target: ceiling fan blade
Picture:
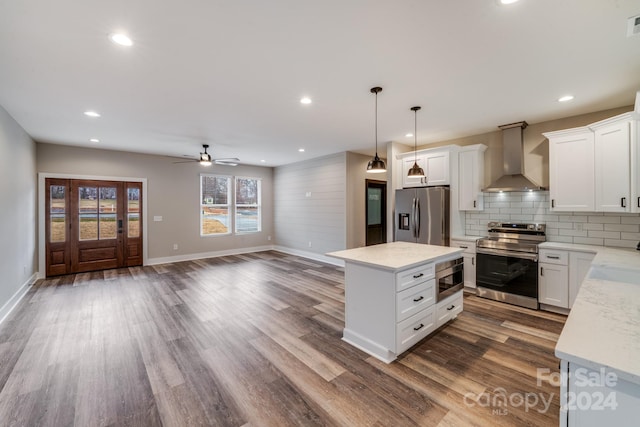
228	161
187	161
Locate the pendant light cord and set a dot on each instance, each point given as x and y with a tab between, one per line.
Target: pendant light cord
415	136
376	124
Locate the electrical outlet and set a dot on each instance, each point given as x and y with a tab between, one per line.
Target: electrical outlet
268	237
309	244
175	246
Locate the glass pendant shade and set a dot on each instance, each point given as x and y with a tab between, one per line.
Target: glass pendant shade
376	165
415	171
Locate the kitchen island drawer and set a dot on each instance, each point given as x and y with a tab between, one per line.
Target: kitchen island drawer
412	300
449	308
407	278
415	328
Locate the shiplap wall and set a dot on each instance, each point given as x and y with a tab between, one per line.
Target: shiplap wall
588	228
310	204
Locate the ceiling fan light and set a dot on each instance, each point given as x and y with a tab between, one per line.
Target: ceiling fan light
376	165
416	171
205	159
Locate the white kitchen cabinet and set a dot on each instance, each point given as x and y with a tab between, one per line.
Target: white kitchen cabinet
435	164
579	265
471	177
553	278
449	308
469	257
595	168
613	165
572	170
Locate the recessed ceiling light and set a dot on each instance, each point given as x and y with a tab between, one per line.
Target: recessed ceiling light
305	100
409	135
91	113
301	150
565	98
508	1
121	39
94	140
262	161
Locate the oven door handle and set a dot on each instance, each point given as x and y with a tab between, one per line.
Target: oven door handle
501	252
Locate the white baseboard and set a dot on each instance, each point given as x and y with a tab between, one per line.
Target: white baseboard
310	255
8	307
202	255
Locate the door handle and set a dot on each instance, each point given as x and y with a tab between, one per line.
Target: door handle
417	218
541	271
119	226
553	203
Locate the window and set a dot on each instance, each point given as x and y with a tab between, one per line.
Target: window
215	202
248	211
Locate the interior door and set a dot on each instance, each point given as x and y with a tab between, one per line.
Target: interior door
376	209
92	225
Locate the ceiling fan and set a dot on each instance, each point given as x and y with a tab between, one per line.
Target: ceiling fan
205	159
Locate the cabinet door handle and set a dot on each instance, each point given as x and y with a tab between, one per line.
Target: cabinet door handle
419	327
542	271
473	260
553	257
464	247
418	299
451	308
417	276
474	203
639	202
553	203
623	202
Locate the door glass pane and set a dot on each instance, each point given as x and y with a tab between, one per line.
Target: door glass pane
57	213
133	219
108	212
88	207
374	211
133	212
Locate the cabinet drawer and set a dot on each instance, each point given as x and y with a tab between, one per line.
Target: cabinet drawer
412	300
550	256
448	308
406	279
416	327
469	247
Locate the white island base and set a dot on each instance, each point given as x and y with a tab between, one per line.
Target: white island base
390	296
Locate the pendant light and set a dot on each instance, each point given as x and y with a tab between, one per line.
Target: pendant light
376	165
415	171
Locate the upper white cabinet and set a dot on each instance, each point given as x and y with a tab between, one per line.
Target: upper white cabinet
435	164
613	165
571	170
471	177
593	168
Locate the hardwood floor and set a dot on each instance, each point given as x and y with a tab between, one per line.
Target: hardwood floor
256	340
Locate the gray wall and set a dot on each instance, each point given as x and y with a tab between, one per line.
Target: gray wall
18	253
310	205
173	193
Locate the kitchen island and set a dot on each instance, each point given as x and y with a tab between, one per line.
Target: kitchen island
391	296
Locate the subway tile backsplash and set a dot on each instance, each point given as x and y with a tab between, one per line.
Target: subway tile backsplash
588	228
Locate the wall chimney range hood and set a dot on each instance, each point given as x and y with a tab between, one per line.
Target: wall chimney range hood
513	152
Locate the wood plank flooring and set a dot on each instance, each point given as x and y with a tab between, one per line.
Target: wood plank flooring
255	340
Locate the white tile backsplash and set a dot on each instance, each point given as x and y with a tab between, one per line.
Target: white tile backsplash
588	228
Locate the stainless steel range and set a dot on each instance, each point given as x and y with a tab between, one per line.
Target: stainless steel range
507	263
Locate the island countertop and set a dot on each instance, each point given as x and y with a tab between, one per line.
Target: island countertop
397	255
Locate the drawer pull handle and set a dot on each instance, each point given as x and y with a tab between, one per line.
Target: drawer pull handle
417	276
464	247
417	328
623	202
418	299
553	257
451	308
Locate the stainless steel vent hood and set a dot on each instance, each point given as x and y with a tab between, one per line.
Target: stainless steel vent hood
513	151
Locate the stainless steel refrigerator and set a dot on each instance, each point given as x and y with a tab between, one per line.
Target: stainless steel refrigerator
422	215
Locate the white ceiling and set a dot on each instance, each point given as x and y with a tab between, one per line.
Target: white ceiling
231	73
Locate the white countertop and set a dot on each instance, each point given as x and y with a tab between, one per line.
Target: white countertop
396	255
466	238
603	327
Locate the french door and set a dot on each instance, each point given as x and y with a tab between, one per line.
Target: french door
92	225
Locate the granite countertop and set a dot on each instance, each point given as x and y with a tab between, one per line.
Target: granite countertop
397	255
603	327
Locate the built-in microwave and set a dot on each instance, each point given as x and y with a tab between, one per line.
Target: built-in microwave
449	278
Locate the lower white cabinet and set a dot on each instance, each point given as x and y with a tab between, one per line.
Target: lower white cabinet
449	308
579	265
469	257
553	278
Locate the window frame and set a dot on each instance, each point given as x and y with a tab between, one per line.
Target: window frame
258	205
229	204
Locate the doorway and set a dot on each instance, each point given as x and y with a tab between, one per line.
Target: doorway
92	225
376	211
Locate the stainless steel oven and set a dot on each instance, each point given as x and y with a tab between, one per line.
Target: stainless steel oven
507	263
449	277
